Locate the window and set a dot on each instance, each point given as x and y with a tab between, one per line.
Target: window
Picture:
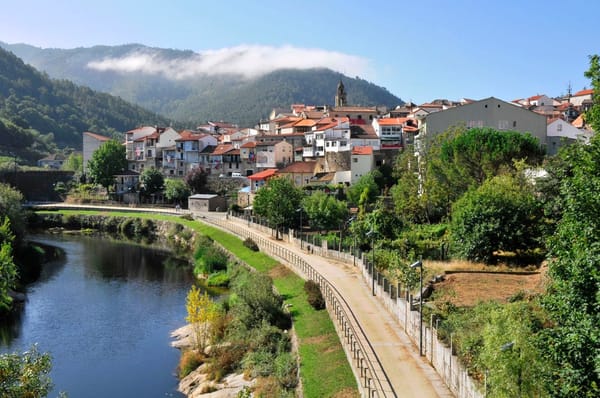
355	160
514	123
502	124
559	127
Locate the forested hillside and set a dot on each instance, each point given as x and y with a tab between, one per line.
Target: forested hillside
37	112
197	98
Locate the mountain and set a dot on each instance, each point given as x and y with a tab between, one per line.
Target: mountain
164	82
37	112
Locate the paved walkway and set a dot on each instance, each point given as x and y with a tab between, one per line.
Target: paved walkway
410	374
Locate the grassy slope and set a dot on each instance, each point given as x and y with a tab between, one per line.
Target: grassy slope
324	368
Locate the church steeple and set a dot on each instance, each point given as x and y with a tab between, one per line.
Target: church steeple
340	98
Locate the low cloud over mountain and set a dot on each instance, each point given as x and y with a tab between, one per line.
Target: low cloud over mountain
247	61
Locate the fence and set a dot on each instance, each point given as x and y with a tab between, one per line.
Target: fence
398	302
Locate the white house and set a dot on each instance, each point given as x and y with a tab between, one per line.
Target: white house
91	142
560	132
362	162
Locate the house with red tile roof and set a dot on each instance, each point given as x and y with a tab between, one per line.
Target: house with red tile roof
300	173
270	155
259	179
329	134
187	153
389	131
144	146
583	97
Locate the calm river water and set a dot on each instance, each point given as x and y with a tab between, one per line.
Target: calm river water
105	314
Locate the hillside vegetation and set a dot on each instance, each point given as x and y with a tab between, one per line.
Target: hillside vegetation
37	112
201	98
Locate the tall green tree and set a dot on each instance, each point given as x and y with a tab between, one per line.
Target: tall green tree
592	116
277	202
152	181
324	211
74	162
502	214
106	162
11	201
572	345
176	190
365	191
8	269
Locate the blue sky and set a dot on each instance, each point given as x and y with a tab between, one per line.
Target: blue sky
419	51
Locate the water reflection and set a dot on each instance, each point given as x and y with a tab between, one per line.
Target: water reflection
105	313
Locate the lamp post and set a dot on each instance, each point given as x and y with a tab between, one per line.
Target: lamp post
299	210
371	234
419	264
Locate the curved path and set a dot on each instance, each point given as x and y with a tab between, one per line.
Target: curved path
408	373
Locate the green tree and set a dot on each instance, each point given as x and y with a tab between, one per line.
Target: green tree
152	181
107	161
74	162
25	375
11	206
592	116
324	211
572	345
8	269
278	202
502	214
365	191
176	190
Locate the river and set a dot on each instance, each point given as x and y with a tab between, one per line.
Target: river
105	314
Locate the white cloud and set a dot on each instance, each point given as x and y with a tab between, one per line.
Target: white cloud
248	61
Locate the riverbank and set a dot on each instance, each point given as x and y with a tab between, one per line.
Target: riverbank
324	369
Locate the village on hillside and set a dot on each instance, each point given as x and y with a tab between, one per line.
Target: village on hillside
330	145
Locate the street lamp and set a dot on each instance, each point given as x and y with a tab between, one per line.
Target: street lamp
371	234
419	264
299	210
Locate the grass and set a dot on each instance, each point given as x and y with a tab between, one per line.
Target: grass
324	368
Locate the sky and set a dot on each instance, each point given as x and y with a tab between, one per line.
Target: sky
419	51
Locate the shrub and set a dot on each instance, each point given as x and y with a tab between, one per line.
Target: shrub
286	370
250	244
314	295
259	363
189	361
220	278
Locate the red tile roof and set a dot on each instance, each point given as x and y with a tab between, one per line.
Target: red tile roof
222	149
362	150
97	136
299	167
392	121
584	92
262	175
250	144
188	135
